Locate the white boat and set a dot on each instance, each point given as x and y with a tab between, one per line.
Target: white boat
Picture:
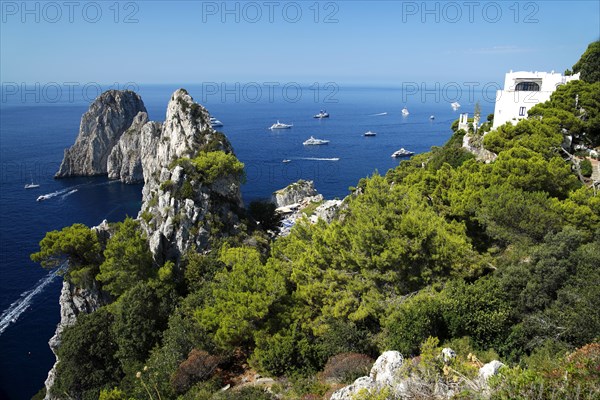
322	114
43	197
455	106
280	125
286	161
31	185
432	117
405	111
215	122
369	133
402	153
314	141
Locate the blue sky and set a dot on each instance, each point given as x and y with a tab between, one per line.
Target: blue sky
357	42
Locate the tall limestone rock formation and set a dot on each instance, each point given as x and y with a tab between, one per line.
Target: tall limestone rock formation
179	209
124	161
109	116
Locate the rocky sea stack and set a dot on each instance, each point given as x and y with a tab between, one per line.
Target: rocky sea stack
109	116
180	202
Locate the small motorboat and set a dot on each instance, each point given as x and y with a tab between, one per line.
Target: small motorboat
455	105
286	161
402	153
432	117
405	112
322	114
369	134
31	185
280	125
315	142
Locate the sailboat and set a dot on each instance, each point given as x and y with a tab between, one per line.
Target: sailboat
31	185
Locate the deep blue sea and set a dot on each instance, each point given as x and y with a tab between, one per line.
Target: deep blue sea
34	132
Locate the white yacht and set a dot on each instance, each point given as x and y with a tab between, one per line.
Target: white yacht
455	106
215	122
369	133
432	117
405	112
280	125
402	153
322	114
314	141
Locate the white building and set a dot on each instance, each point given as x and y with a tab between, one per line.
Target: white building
523	90
463	122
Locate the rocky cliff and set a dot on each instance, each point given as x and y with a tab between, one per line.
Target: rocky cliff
125	159
295	193
74	301
387	376
109	116
179	209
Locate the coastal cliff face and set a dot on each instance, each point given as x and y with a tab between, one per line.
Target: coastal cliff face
73	301
109	116
124	161
180	211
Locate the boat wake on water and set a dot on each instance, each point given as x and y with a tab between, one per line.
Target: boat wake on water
55	194
378	114
69	193
14	311
319	159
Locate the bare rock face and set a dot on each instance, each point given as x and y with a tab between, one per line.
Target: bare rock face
125	160
109	116
73	301
383	374
180	211
490	369
294	193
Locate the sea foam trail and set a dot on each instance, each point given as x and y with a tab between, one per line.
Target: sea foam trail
69	193
320	159
378	114
54	194
12	313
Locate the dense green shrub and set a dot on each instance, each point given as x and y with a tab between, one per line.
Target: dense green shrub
87	358
263	212
414	320
76	244
127	258
585	167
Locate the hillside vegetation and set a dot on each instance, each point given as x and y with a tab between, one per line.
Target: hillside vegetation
500	258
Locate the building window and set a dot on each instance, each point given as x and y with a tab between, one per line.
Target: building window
528	87
522	111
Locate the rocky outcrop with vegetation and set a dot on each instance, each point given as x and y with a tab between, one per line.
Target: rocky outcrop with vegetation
192	181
